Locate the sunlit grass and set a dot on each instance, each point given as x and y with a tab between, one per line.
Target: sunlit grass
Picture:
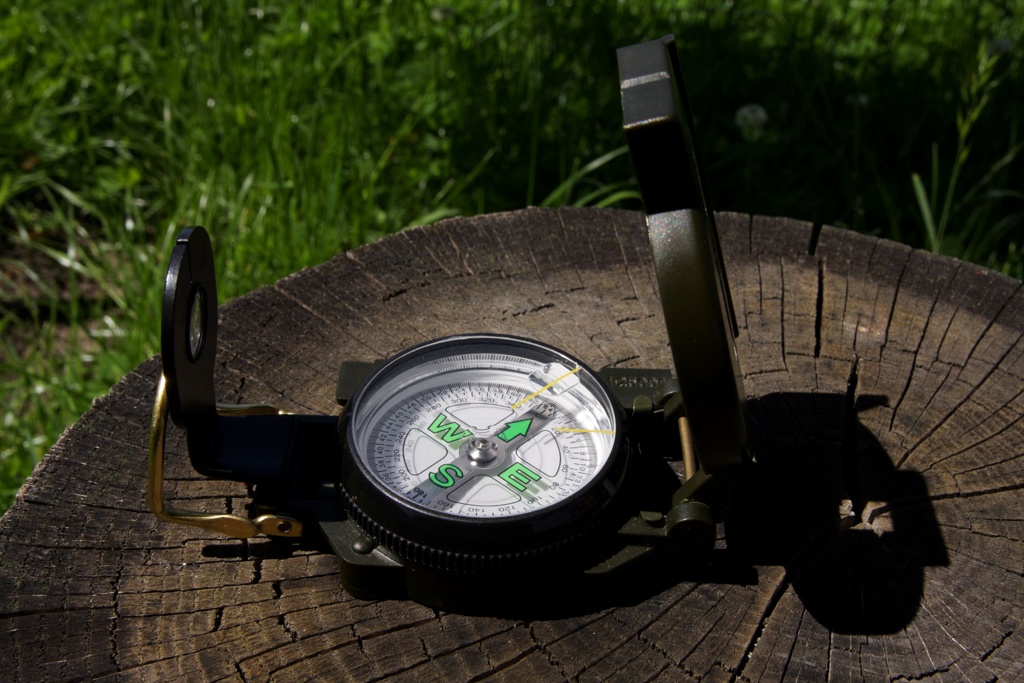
297	130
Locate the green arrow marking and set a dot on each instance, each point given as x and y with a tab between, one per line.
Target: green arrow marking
514	429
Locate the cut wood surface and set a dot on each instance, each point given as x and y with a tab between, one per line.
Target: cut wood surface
882	382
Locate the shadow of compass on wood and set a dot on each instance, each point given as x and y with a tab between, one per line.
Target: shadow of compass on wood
824	501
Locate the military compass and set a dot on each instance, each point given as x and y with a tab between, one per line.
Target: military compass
472	450
466	466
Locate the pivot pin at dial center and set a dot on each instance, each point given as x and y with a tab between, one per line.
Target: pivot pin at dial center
481	450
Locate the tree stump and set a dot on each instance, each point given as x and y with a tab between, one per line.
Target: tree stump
884	391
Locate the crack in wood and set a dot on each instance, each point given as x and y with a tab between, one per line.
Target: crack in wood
543	647
619	361
528	311
987	465
495	671
708	632
780	588
562	240
243	635
782	312
975	386
218	618
477	644
975	444
991	651
305	657
948	415
828	651
921	676
257	565
282	621
393	294
910	375
18	614
652	645
989	324
277	287
458	252
982	492
819	304
630	639
420	246
761	294
812	245
895	298
850	456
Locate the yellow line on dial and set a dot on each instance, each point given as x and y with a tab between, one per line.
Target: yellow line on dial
546	387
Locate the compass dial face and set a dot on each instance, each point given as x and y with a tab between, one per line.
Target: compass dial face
484	427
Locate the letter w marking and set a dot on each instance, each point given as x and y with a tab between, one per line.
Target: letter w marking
448	431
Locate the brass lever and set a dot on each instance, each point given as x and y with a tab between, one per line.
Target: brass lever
235	526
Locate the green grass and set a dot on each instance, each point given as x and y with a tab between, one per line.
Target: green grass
297	130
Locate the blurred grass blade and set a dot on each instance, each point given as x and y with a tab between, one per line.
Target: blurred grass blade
608	195
5	188
926	213
434	216
562	195
619	198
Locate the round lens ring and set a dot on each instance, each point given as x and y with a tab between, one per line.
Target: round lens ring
196	324
481	448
